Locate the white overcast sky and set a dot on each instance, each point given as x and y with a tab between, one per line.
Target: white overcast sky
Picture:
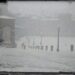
35	18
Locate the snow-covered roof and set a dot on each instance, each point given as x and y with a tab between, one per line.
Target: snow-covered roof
6	17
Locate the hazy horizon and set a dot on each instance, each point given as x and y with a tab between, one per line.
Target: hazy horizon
43	18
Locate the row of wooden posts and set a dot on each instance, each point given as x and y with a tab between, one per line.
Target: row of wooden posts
46	47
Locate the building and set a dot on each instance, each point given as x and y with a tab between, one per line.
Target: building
7	27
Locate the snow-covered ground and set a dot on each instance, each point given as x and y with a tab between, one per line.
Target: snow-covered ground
16	59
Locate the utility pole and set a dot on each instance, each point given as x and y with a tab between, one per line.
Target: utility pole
58	39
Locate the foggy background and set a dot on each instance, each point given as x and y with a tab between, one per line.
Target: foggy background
43	18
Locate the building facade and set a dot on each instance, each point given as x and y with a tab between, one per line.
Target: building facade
7	27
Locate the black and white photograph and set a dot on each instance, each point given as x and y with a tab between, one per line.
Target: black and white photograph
37	37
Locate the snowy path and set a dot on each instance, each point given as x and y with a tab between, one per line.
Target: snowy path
30	60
